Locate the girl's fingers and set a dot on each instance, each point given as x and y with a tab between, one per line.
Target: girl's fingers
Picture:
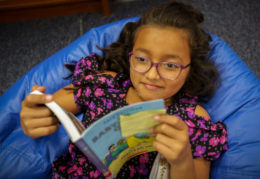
171	127
39	88
171	120
166	141
165	129
175	156
33	100
172	144
164	150
37	112
43	131
41	122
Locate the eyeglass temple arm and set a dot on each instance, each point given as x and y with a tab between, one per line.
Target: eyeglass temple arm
186	66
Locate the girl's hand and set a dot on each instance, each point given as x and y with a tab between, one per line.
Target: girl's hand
172	139
36	119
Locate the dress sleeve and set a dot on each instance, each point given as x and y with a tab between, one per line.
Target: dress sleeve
93	86
206	139
82	96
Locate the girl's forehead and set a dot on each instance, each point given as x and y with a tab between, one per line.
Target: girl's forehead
162	29
163	41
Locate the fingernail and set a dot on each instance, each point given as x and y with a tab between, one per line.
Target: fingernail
157	118
48	97
151	130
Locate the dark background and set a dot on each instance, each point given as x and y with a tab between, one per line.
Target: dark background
25	44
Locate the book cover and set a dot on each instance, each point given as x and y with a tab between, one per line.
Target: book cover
114	145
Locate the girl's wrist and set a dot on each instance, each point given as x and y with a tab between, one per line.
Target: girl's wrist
184	169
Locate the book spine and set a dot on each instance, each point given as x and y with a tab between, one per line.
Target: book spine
86	150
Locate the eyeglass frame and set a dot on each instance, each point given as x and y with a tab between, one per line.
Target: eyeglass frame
156	65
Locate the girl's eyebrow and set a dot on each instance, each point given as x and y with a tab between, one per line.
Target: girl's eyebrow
143	50
167	56
174	56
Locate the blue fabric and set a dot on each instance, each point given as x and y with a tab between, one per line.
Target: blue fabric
236	103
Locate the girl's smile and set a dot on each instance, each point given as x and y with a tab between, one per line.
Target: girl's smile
151	86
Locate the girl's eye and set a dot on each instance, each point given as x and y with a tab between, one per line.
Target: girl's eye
170	65
141	59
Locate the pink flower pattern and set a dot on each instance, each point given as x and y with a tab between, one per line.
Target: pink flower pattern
71	148
122	95
211	153
103	79
198	133
99	110
81	160
79	171
88	63
189	123
61	168
94	174
89	77
92	114
144	158
214	141
72	169
213	127
132	170
223	139
78	93
190	130
98	92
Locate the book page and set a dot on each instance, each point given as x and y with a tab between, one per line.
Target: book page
74	119
139	122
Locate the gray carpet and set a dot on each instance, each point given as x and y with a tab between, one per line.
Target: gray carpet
25	44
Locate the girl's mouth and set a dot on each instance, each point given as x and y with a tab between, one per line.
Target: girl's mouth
151	87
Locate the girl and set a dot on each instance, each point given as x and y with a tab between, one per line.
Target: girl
163	55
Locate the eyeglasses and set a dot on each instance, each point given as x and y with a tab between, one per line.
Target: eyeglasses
166	70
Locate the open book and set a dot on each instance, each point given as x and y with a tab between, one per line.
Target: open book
115	138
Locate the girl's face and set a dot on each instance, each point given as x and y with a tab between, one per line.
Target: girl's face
160	44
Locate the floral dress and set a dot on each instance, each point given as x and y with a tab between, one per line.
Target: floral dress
103	93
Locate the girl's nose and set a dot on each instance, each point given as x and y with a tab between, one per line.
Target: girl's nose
152	74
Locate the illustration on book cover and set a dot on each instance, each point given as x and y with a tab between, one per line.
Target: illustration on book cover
127	148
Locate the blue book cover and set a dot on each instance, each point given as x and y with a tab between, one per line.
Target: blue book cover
106	144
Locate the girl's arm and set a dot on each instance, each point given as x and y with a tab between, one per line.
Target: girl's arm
65	98
202	166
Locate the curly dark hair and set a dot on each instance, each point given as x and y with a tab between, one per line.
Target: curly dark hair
203	78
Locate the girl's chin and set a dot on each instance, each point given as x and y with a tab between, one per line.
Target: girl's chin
149	98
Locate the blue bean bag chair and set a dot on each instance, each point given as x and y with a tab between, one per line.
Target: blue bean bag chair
236	103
